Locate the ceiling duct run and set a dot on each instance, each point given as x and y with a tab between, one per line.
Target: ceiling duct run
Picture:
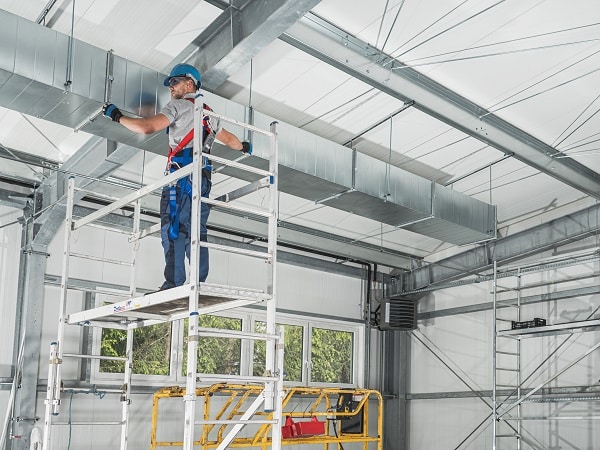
36	78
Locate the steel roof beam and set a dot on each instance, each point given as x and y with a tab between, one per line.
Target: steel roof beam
558	232
359	59
240	32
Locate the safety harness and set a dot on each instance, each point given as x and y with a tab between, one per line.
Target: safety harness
181	156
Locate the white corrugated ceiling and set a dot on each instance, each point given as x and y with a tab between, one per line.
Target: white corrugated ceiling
534	63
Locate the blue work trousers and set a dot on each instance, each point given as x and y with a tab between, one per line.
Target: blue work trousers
177	250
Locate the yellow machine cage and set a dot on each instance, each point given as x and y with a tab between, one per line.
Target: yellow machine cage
328	416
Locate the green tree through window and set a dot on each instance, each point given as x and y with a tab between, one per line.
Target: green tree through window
331	356
292	355
216	355
151	350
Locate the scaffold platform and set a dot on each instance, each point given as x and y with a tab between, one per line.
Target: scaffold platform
168	305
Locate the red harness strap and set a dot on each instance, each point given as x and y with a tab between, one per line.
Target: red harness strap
188	137
182	144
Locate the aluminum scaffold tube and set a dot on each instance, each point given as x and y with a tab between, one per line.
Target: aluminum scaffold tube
200	297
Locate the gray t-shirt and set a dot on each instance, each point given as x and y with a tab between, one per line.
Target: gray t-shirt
180	113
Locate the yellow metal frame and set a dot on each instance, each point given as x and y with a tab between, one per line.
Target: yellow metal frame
321	404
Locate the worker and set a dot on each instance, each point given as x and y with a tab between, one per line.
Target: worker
184	82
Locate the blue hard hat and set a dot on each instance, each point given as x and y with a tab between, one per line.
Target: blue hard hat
185	70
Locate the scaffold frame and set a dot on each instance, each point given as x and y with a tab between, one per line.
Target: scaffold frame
508	399
186	301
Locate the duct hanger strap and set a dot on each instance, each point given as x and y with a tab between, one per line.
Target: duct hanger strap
109	77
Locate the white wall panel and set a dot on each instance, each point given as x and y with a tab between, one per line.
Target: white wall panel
444	423
465	343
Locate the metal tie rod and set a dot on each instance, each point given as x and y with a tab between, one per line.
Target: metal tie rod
240	251
97	258
507	353
507	369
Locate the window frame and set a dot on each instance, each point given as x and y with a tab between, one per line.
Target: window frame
357	370
248	316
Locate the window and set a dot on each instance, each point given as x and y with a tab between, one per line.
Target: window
151	350
325	352
292	356
216	355
331	356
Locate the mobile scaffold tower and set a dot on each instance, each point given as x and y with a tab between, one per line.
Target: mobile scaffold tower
189	300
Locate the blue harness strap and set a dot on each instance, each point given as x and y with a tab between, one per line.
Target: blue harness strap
185	188
180	157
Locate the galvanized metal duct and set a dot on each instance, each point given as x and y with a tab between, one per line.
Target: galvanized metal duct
33	80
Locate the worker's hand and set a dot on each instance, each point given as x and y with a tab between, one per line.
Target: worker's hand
247	147
112	112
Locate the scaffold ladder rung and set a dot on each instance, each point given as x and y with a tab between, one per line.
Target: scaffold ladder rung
108	358
88	423
238	378
213	332
237	165
240	251
243	191
244	209
100	259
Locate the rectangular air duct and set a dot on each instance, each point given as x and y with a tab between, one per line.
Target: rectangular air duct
33	80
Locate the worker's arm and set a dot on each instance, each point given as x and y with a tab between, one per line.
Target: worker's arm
144	125
231	141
